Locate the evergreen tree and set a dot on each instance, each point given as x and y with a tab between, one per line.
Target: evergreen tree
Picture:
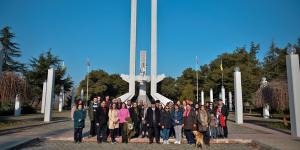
10	51
38	73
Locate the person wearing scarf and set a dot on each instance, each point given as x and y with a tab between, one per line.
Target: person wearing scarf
189	123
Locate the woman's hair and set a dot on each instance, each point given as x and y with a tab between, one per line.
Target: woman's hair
123	104
79	102
111	106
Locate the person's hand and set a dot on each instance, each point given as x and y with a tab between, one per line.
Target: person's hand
162	127
194	125
97	124
147	124
182	125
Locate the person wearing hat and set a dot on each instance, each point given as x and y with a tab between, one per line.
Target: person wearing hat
79	122
153	123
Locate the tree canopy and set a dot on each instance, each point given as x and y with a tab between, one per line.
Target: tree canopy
10	51
38	71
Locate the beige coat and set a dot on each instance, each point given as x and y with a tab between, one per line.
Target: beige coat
113	120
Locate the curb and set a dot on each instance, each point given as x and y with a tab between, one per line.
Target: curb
265	145
21	144
145	140
8	131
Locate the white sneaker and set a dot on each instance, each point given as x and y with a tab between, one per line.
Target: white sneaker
178	142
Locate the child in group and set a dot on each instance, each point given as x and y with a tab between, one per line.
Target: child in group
79	122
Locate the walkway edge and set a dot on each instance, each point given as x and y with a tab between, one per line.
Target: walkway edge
21	144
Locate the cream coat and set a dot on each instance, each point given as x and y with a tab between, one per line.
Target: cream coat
113	120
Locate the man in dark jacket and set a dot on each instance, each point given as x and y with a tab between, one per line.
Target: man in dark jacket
135	115
153	123
101	122
92	114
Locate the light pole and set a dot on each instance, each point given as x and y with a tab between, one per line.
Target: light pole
87	79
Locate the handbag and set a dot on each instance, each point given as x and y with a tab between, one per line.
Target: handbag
202	129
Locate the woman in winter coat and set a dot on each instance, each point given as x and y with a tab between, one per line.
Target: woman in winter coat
177	119
189	123
113	122
166	124
202	122
79	122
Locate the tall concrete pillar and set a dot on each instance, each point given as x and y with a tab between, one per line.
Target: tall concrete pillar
223	95
61	100
131	77
238	96
50	94
73	96
153	46
230	101
81	94
202	97
211	96
44	97
17	105
132	46
293	74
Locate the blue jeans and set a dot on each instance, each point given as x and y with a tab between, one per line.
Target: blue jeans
165	134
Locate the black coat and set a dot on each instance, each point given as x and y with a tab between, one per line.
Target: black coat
166	119
101	116
225	111
149	117
135	116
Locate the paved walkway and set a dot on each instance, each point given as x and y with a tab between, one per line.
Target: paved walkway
33	128
60	135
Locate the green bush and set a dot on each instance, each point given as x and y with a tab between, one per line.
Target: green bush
8	108
28	109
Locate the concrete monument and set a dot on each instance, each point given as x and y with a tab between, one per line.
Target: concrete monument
49	95
293	74
17	105
44	97
131	78
230	101
238	99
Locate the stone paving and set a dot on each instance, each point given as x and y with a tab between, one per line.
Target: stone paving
134	146
59	135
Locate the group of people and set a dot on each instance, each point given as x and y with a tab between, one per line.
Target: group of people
114	118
